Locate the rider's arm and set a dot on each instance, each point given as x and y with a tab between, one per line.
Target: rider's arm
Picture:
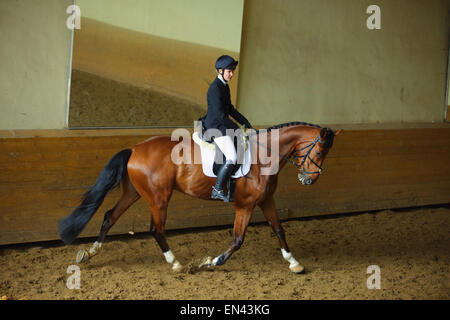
239	117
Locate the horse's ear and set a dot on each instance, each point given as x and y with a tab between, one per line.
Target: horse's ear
337	132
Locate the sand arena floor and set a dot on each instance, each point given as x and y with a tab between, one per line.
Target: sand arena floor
411	248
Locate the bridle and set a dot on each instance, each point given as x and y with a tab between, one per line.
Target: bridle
307	156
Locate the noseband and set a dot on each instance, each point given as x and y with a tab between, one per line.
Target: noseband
307	156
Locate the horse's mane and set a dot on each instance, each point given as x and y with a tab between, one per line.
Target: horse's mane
295	123
329	135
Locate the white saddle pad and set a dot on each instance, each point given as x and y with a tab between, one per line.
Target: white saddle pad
208	152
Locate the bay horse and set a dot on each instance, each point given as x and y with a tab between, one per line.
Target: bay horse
146	170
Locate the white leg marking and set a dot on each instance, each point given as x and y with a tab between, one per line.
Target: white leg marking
170	258
288	257
214	262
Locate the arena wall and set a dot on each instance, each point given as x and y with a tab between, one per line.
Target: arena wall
44	174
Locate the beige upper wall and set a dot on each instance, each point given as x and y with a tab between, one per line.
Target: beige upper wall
35	55
316	61
214	23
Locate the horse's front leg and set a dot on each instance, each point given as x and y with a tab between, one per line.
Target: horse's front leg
240	226
270	212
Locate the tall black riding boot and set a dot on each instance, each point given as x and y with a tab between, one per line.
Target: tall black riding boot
222	176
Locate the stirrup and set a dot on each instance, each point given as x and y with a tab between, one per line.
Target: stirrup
219	194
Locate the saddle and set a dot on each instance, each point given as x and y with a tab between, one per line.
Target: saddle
212	159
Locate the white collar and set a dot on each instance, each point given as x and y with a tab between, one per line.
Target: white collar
222	79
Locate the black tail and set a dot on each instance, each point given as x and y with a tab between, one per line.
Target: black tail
71	226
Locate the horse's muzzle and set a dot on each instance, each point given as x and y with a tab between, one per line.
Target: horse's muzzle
305	180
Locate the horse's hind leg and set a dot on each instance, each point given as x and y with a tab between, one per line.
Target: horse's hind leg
158	203
129	196
270	212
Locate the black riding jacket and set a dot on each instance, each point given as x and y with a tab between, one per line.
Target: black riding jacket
220	108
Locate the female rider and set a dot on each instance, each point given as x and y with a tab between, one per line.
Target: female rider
217	117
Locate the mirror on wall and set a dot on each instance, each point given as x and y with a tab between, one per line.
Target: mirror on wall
447	104
149	63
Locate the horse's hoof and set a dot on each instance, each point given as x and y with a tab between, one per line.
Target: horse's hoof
96	247
297	269
82	255
206	262
177	267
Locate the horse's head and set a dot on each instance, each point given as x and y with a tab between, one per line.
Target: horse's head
311	154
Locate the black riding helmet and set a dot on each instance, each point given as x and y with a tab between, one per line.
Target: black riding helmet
226	62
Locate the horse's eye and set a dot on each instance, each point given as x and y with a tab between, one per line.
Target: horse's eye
319	153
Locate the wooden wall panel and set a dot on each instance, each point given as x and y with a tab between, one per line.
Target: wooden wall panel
44	174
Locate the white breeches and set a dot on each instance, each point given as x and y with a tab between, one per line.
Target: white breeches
226	145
